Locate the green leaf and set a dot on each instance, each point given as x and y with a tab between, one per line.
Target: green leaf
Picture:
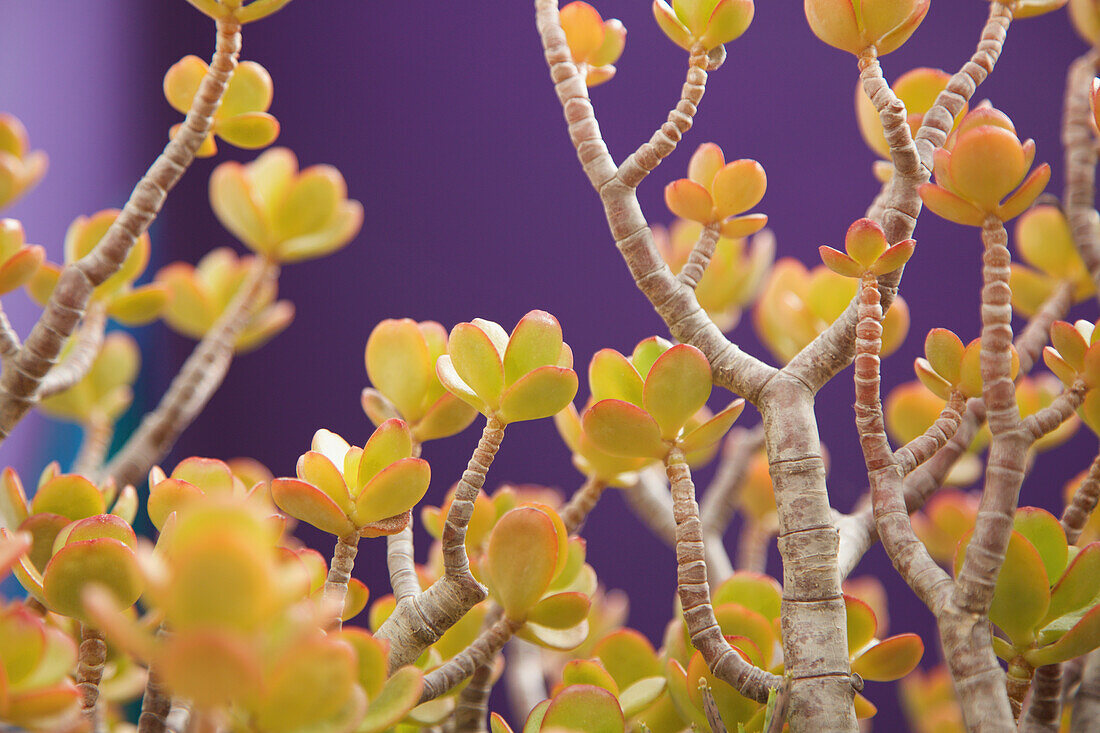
304	502
1045	533
389	443
561	610
890	659
755	591
628	656
522	559
862	624
497	724
535	342
105	562
676	387
398	697
612	376
621	429
534	718
1078	641
477	362
588	672
585	708
641	694
712	430
540	393
398	365
395	490
1078	585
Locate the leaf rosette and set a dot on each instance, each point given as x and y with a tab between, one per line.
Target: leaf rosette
862	26
866	252
705	24
35	660
1045	242
20	168
717	193
594	43
19	261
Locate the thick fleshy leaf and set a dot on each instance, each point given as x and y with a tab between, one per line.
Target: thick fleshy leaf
311	683
1025	195
182	82
671	25
862	624
612	376
20	268
641	695
712	430
688	200
1022	594
105	562
839	262
583	28
319	470
522	559
399	365
757	631
540	393
535	342
561	610
678	690
477	362
865	241
947	205
584	708
139	306
622	429
400	695
676	387
448	377
945	352
739	185
705	162
70	496
497	724
249	131
236	207
986	163
1069	342
894	257
694	14
104	526
1046	535
743	226
646	353
391	442
305	502
167	496
729	20
588	672
733	708
250	90
212	476
890	659
211	667
1078	585
22	643
1078	641
394	490
835	23
446	417
628	656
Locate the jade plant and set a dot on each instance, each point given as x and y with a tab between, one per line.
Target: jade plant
190	599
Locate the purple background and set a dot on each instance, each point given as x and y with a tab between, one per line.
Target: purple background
447	129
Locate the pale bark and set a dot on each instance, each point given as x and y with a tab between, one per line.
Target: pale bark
23	373
1086	703
472	707
89	340
720	502
701	252
419	620
480	653
155	705
92	656
191	388
10	343
1044	709
525	677
581	503
753	542
694	591
399	560
1079	147
98	432
1077	512
339	574
651	503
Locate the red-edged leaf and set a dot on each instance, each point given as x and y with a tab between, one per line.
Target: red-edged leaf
890	659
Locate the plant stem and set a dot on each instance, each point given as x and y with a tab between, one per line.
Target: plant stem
194	385
89	340
581	503
98	432
1077	512
1044	710
472	707
649	500
339	574
480	653
695	267
647	157
694	591
22	376
752	547
1018	682
1086	703
399	560
419	620
155	705
1079	146
10	343
89	672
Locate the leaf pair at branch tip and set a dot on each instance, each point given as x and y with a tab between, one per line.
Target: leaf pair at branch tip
718	193
982	162
865	26
593	42
949	366
867	252
238	11
703	23
20	168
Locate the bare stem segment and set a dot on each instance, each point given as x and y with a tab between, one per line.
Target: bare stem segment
89	671
399	560
24	372
1084	501
1079	145
194	385
480	653
89	340
339	574
1044	710
93	448
694	591
155	705
420	619
473	702
1086	703
581	504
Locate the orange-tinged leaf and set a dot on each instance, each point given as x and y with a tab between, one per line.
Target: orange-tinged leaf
22	643
477	362
835	23
250	90
688	200
839	262
732	706
1058	365
1045	533
1022	594
1078	585
209	474
893	258
705	162
249	131
399	365
1069	342
310	202
561	610
584	708
694	14
34	707
105	562
612	376
394	490
646	353
583	28
1026	194
588	672
1081	639
21	267
70	496
862	624
676	387
622	429
712	430
671	25
535	342
890	659
182	82
312	683
729	20
211	667
13	500
541	393
740	185
305	502
447	416
986	163
743	226
628	656
167	496
945	352
497	724
389	443
400	695
139	306
522	558
614	40
947	205
102	526
865	709
319	470
236	207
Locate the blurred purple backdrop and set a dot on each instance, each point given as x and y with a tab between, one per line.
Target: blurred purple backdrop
447	129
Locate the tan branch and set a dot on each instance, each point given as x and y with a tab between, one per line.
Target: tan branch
93	448
581	503
1079	146
480	653
399	560
1086	703
419	620
194	385
649	155
20	380
650	501
339	575
1044	710
89	340
89	672
752	547
1034	336
472	707
694	591
699	258
1077	512
720	499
